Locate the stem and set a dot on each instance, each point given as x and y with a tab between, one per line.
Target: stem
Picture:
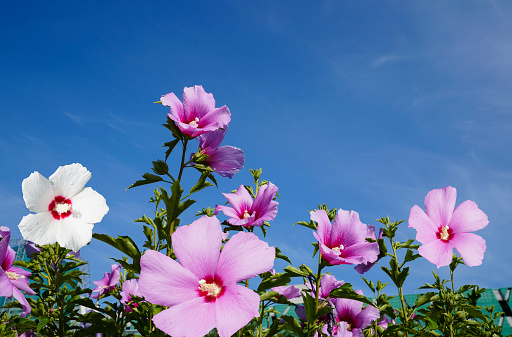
400	290
260	325
317	290
182	166
451	276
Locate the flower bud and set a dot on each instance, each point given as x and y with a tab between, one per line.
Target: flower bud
160	167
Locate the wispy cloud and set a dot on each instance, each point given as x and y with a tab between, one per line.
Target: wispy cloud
381	60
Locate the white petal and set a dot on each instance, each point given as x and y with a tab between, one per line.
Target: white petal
37	192
74	233
89	206
68	180
39	228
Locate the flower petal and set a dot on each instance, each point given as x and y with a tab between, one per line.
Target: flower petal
467	217
26	308
5	285
328	283
243	257
193	318
437	252
73	232
89	205
197	102
197	246
22	282
177	112
241	200
37	192
39	228
426	229
215	119
164	281
212	140
235	308
347	229
366	317
68	180
324	226
471	247
439	205
226	161
361	253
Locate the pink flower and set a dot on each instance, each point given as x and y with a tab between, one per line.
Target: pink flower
225	160
246	212
364	267
108	282
442	228
201	290
344	241
130	288
289	292
13	279
197	114
352	318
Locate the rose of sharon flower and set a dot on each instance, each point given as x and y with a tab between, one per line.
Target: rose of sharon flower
12	279
201	290
65	211
442	228
246	212
197	114
327	283
130	288
344	241
351	318
290	292
108	282
225	160
364	267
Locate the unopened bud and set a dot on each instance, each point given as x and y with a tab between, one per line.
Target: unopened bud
160	167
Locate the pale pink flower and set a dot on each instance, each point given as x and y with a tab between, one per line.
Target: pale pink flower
201	290
130	288
197	114
65	210
441	228
108	282
351	318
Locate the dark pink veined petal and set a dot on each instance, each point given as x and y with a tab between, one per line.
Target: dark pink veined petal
228	211
347	309
366	317
244	256
439	205
177	112
235	308
115	275
191	130
328	283
197	246
471	248
467	217
264	198
193	318
240	201
328	254
37	192
226	161
361	253
287	291
5	285
164	281
324	226
437	252
342	330
26	308
215	119
426	229
22	281
4	245
242	222
10	255
212	140
68	180
347	229
196	102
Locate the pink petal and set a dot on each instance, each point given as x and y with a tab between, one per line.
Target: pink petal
437	252
164	281
10	255
22	282
26	309
37	192
439	205
324	226
193	318
228	211
426	229
243	257
197	246
197	102
366	317
5	284
215	119
176	106
68	180
235	308
361	253
467	217
212	140
471	248
89	205
328	283
264	197
347	229
241	200
226	161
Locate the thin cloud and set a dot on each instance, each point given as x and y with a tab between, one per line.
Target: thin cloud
380	61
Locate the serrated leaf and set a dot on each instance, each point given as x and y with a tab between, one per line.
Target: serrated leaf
201	183
170	146
148	179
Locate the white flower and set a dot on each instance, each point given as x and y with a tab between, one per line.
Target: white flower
65	211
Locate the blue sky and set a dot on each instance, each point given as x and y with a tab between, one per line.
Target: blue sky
364	106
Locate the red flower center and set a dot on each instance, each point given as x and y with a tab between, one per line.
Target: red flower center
210	288
444	233
60	207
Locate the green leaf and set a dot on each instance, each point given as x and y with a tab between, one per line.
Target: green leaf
148	179
402	276
410	256
124	244
293	325
281	256
423	299
201	183
311	224
346	291
276	280
294	272
268	295
171	126
170	146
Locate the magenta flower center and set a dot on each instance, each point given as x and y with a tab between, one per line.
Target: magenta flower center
349	327
194	122
338	249
444	233
210	288
13	276
60	207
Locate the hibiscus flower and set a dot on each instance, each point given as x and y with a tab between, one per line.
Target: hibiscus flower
130	288
65	211
197	114
108	282
441	228
227	160
344	241
351	318
201	290
246	212
13	279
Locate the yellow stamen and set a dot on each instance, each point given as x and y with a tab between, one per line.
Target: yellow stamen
13	276
444	235
211	288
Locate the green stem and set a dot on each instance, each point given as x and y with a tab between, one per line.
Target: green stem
451	276
400	289
317	290
260	325
182	166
